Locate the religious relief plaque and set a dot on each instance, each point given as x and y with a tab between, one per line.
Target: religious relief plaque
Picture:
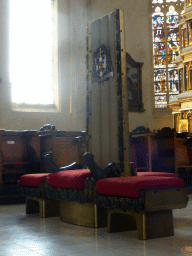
102	64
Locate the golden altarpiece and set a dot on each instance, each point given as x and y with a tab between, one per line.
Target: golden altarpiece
181	105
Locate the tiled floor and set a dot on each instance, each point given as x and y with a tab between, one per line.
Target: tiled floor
22	234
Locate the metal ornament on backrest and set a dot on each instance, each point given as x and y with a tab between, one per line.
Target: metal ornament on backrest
54	168
97	173
102	64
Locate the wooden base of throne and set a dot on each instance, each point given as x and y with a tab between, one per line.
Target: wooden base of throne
148	224
86	214
44	206
156	220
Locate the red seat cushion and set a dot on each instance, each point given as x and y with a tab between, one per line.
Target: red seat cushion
33	180
162	174
69	179
131	186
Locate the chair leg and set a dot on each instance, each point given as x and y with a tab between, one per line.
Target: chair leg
45	207
118	222
32	206
50	208
86	214
154	224
148	224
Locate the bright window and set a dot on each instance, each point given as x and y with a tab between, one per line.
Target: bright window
33	48
166	15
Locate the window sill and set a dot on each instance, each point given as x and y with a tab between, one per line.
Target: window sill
35	108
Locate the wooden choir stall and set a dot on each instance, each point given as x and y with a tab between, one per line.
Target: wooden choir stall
162	151
22	152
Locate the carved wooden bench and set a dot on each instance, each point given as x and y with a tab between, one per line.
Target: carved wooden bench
82	204
75	190
144	203
33	186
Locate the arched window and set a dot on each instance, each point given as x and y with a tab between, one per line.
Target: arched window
166	15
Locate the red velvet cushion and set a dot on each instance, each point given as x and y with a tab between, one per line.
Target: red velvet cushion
69	179
131	186
162	174
33	180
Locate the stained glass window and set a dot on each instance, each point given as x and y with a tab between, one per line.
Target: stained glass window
166	15
157	1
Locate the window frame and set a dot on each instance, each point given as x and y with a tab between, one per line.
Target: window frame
56	106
